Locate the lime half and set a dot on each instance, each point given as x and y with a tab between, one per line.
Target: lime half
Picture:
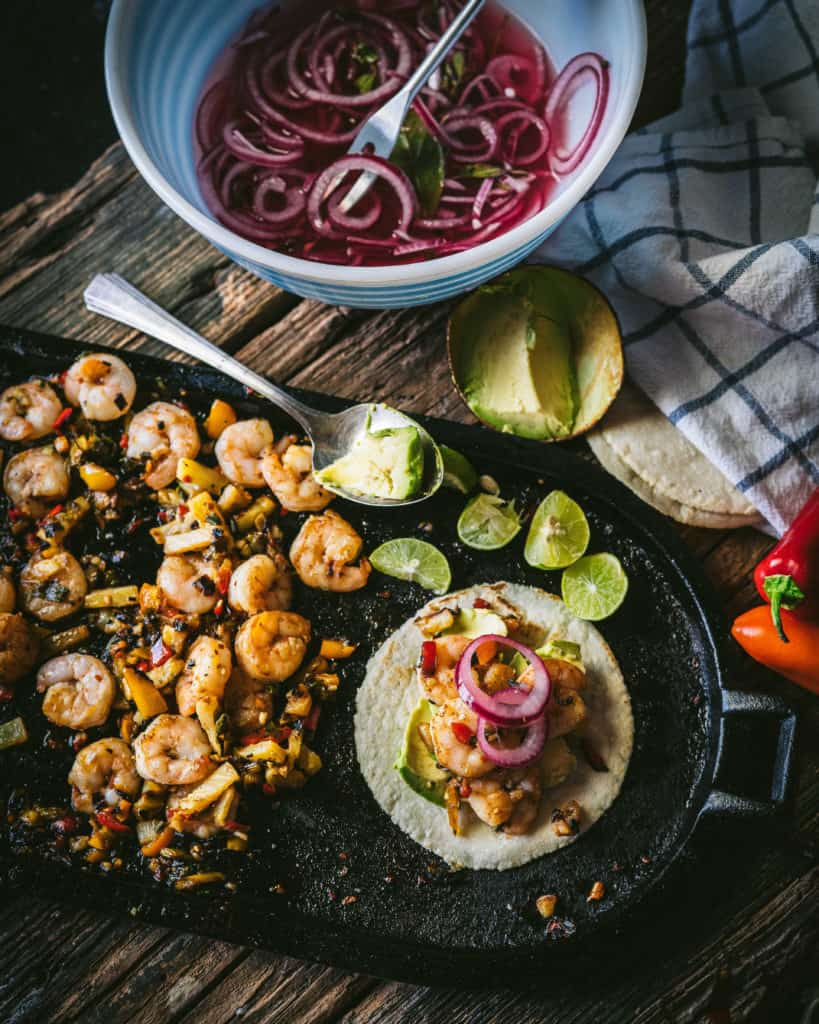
414	560
459	473
559	533
595	586
488	522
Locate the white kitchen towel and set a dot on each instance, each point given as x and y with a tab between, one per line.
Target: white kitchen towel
703	233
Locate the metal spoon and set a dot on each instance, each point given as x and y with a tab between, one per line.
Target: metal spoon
332	434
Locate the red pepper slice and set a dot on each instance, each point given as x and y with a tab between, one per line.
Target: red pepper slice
268	790
160	653
479	602
63	418
429	657
123	441
65	825
182	510
256	737
465	790
6	694
109	821
15	514
462	732
143	666
235	826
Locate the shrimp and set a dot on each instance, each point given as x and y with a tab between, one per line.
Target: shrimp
18	647
323	551
261	584
270	646
8	595
462	756
248	702
565	673
207	671
35	479
239	451
103	771
53	588
28	411
79	691
508	799
102	386
162	434
189	583
173	751
290	477
441	686
565	711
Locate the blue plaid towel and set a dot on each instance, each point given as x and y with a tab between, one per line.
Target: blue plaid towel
703	233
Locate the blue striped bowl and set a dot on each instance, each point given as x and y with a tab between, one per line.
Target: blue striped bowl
157	56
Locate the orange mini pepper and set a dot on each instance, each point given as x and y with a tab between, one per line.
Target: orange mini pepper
797	660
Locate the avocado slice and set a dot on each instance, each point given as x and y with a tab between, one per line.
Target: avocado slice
381	464
536	353
475	622
415	764
562	650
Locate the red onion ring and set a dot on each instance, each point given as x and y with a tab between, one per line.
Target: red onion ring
389	173
295	201
491	707
515	757
563	162
510	147
465	152
350	221
241	146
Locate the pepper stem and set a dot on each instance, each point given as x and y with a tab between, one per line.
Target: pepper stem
782	592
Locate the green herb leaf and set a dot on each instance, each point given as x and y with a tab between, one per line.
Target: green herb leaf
481	171
452	72
421	157
366	82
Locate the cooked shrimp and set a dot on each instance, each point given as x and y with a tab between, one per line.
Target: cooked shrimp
290	477
270	646
18	647
162	434
189	583
565	711
261	584
453	750
565	673
52	588
507	799
35	479
441	686
104	771
239	451
248	702
8	595
102	385
206	673
28	411
323	551
79	691
173	751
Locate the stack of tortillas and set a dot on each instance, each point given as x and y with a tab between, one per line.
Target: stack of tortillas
645	451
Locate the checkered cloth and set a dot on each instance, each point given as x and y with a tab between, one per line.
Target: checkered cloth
703	233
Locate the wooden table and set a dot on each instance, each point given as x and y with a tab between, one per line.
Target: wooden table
755	950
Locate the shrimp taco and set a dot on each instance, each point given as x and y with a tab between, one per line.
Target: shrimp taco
494	727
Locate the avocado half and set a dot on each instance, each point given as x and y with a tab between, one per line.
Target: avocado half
536	353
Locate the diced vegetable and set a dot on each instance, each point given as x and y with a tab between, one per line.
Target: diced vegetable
336	649
112	597
197	880
221	415
206	712
195	477
261	508
13	733
233	499
309	761
144	694
266	750
209	791
96	477
191	540
205	510
67	640
224	808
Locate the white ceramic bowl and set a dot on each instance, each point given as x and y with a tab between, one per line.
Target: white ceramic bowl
157	56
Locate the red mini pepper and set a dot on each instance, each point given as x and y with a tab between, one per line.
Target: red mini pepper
789	576
109	821
797	660
462	732
429	657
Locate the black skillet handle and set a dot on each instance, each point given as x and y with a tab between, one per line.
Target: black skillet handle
734	702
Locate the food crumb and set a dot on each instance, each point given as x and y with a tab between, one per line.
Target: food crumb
597	892
348	900
546	905
489	484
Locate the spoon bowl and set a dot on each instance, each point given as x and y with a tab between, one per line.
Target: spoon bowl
332	434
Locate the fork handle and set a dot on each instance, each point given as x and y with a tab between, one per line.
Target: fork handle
439	51
112	296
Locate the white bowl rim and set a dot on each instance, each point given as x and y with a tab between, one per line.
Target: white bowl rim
406	274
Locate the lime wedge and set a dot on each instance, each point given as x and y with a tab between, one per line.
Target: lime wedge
459	473
559	533
414	560
594	587
488	522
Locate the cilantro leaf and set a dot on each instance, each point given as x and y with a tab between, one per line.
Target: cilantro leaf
421	157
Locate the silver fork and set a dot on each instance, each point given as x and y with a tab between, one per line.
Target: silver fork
380	130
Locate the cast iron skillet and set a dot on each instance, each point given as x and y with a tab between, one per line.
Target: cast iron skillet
412	918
